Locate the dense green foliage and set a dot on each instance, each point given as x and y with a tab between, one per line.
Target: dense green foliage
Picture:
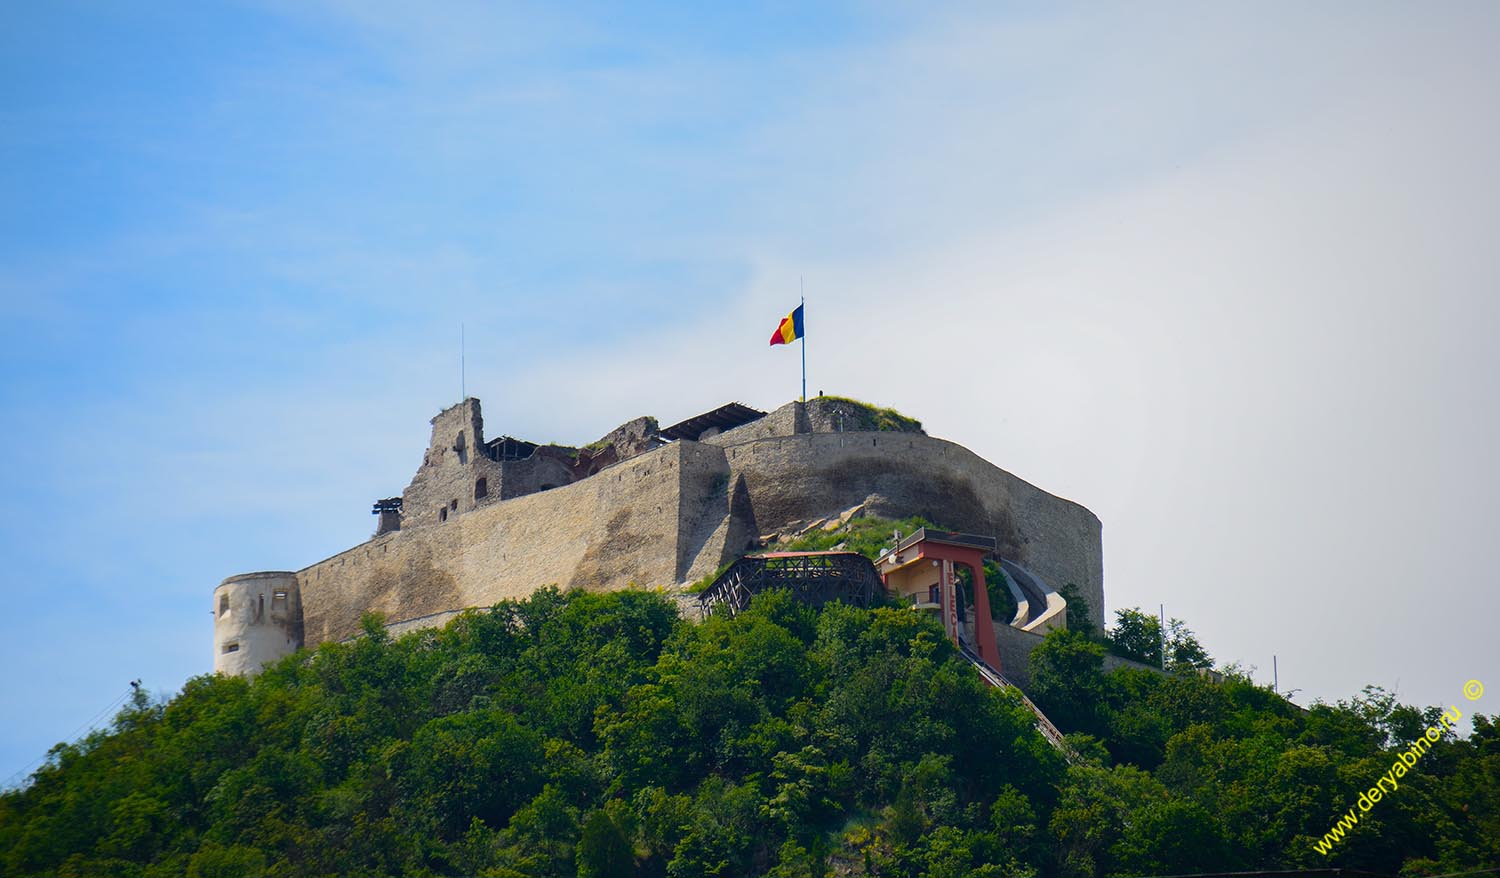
1231	776
598	734
1138	635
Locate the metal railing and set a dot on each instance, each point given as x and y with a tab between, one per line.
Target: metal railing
994	678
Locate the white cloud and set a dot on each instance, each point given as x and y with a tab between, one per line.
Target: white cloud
1263	367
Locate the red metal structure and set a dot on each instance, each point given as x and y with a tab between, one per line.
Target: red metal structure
921	568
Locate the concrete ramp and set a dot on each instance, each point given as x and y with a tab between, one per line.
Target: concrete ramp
1039	608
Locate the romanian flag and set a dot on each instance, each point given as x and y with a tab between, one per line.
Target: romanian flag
790	329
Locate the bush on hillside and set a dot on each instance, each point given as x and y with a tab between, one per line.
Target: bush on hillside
577	733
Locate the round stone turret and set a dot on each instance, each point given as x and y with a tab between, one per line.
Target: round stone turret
257	620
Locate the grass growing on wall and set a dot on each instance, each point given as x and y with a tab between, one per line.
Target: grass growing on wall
868	536
874	417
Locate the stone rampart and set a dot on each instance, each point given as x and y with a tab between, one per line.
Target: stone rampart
617	527
785	421
813	475
669	514
678	512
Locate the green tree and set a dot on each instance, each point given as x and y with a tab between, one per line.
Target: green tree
1183	649
213	861
575	733
480	764
1068	682
1136	635
604	849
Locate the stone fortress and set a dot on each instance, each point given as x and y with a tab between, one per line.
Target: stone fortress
488	519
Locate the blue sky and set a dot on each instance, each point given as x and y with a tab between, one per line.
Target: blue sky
1225	276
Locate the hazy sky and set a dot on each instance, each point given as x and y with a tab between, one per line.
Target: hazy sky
1227	276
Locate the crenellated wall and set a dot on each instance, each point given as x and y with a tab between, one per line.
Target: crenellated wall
673	514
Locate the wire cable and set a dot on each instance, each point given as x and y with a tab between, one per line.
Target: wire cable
16	778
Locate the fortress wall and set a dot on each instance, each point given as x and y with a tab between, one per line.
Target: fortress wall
703	504
1015	652
717	522
676	513
1069	543
815	475
538	472
787	420
602	532
668	515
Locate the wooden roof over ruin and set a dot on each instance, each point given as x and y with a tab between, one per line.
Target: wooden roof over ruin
725	417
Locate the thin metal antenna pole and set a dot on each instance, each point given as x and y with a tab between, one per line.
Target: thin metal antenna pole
463	390
1162	629
802	303
1275	675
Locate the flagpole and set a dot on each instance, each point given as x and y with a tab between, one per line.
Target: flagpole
802	303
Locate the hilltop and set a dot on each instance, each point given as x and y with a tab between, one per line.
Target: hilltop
600	734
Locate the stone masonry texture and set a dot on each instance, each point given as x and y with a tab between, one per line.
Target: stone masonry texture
667	513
